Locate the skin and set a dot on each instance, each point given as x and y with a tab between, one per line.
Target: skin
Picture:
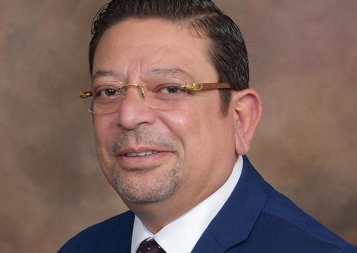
197	146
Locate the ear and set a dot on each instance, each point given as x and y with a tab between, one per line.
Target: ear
248	109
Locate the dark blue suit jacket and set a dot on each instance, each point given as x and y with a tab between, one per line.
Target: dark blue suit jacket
255	219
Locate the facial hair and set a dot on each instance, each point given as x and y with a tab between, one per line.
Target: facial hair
136	187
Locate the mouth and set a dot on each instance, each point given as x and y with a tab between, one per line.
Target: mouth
141	154
132	157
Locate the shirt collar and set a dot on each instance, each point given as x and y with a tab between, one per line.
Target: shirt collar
180	235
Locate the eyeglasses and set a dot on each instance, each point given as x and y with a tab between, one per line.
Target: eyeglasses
107	96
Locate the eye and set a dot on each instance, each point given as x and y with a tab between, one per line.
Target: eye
108	92
169	92
172	89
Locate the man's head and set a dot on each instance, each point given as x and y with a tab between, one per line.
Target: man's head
165	159
203	18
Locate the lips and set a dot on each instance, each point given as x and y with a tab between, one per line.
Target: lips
142	151
146	153
134	157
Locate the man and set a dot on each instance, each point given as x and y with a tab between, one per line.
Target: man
173	118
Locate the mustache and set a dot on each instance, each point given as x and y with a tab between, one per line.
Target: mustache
145	137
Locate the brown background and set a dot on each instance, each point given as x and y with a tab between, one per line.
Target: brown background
303	62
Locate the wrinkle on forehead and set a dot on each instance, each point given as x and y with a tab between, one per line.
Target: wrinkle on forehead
148	52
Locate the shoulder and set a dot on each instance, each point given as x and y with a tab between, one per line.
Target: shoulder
285	224
104	235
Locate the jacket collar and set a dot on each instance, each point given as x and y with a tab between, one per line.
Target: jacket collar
237	217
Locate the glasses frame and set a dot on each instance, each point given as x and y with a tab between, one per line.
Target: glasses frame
190	87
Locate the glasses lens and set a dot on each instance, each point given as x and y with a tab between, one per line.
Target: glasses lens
157	93
166	94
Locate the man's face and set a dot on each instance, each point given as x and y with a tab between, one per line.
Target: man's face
183	152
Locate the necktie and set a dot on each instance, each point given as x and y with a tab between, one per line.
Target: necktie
150	246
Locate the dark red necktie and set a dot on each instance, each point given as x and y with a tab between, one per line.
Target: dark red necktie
150	246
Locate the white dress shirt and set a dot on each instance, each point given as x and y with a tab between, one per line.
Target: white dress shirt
181	235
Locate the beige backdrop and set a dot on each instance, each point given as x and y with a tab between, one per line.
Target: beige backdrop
303	62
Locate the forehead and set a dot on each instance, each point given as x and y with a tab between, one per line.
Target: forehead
139	46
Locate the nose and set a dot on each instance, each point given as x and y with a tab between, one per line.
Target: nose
133	110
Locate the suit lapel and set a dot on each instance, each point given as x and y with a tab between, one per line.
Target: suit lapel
120	234
237	217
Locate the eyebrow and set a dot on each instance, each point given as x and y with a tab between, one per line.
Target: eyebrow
163	72
168	72
105	73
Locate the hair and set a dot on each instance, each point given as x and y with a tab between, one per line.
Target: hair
227	51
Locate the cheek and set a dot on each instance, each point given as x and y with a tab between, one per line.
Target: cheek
103	129
182	122
102	135
189	126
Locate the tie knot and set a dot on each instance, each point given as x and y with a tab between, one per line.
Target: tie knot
150	246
